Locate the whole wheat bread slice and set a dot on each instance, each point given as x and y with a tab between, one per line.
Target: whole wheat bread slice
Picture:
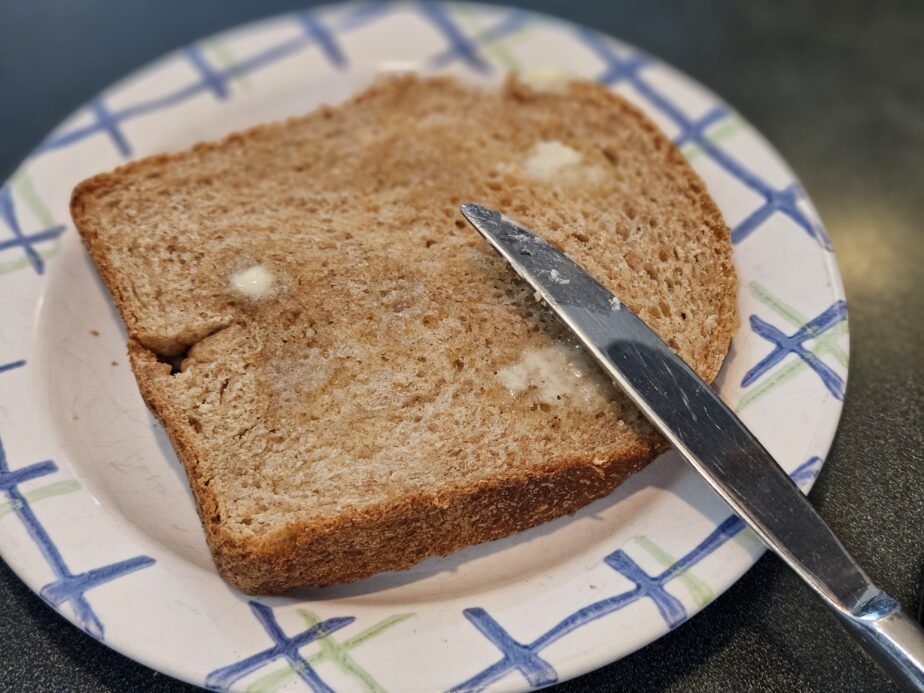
360	415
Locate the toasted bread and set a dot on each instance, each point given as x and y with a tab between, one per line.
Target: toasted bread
386	389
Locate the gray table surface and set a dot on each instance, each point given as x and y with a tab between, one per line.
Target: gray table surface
839	89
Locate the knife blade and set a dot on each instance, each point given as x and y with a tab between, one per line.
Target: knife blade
713	440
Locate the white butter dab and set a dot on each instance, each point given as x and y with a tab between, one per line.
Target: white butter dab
558	373
550	160
547	158
545	79
254	282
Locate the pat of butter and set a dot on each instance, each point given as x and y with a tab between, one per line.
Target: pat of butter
558	373
545	79
254	282
548	158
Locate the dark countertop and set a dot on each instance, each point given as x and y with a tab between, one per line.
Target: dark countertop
838	89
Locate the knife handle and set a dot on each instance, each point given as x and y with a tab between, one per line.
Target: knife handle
892	638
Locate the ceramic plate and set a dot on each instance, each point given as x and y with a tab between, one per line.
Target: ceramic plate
95	514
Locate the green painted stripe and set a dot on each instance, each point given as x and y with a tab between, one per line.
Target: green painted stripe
337	653
701	593
57	488
46	254
721	132
748	540
331	650
762	294
374	630
496	49
21	186
349	666
785	373
824	341
224	56
825	344
796	319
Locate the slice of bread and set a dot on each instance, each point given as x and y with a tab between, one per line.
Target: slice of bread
396	392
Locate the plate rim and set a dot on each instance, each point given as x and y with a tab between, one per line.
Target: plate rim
566	667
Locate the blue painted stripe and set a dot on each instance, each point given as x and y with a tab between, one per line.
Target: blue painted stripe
20	239
283	647
536	670
271	55
696	130
511	22
67	587
11	365
323	37
10	479
807	471
361	14
212	79
71	586
784	345
37	531
26	242
459	45
587	614
110	124
727	529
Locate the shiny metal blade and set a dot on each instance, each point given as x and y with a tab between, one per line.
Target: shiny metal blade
684	409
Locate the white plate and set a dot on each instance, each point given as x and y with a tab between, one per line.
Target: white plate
95	514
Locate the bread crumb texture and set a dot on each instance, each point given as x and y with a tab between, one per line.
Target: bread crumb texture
357	414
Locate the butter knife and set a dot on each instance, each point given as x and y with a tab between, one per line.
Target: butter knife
715	441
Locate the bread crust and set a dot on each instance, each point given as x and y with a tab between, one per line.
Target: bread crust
396	534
